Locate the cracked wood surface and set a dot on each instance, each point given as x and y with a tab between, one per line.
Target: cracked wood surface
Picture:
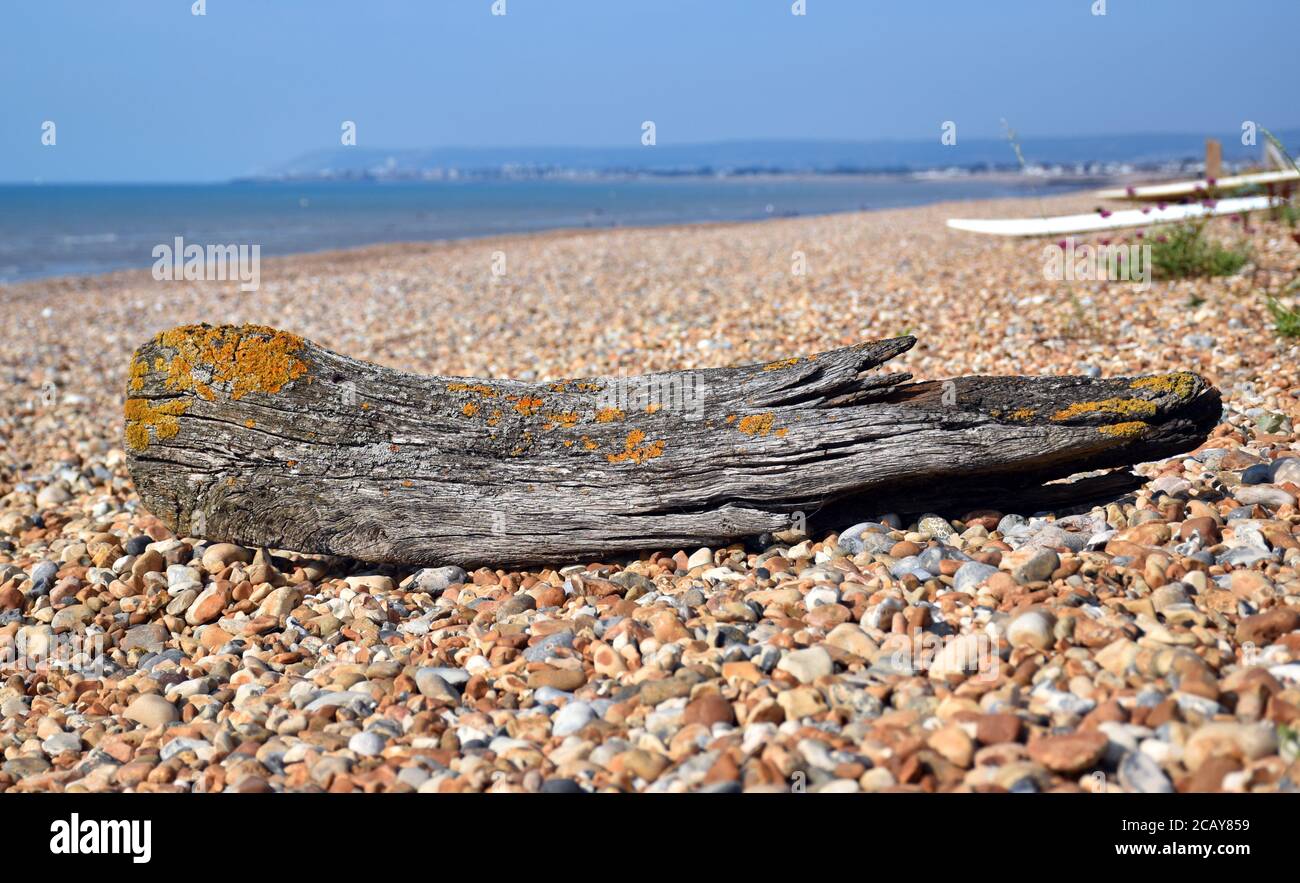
251	435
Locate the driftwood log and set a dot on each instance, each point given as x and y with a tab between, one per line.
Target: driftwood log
252	435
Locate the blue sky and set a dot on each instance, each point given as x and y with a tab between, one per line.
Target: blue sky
146	91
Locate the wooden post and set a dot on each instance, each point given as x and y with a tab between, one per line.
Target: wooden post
1213	159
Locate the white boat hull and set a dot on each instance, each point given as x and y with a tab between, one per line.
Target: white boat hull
1094	222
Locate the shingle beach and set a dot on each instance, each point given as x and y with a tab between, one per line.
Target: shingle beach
1152	644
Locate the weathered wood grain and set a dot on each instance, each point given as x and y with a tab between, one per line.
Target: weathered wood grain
252	435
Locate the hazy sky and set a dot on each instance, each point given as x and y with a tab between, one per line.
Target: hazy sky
144	90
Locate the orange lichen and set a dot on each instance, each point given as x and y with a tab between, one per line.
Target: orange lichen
756	424
525	442
141	414
1138	408
250	423
527	405
635	451
651	409
470	409
731	418
781	363
245	358
566	419
589	444
495	417
1022	414
609	415
1131	429
780	433
478	388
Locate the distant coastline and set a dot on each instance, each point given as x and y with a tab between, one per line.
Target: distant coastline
1038	157
1082	173
84	229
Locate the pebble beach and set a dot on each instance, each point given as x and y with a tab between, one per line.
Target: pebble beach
1151	644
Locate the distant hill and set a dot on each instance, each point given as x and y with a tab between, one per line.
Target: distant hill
768	156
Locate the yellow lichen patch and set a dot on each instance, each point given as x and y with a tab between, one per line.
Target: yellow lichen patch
756	424
1131	429
470	409
781	363
1180	384
635	450
609	415
527	405
250	423
559	386
247	358
141	414
138	371
1137	408
589	444
780	433
1022	414
651	409
478	388
568	442
587	386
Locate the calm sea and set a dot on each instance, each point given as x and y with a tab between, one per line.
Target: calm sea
48	230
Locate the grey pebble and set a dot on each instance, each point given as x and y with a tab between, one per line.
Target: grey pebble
571	718
1140	774
545	648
